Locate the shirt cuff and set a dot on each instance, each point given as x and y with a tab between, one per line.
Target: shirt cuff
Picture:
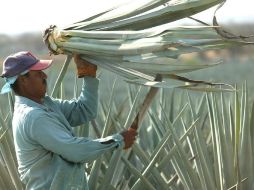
117	139
91	82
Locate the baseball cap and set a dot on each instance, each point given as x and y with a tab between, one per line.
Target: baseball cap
19	62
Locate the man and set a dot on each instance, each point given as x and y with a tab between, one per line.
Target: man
49	155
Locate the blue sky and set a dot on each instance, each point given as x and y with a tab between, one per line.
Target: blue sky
18	16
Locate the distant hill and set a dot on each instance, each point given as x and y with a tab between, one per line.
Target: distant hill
28	41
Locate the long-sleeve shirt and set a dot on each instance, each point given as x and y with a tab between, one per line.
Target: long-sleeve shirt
50	156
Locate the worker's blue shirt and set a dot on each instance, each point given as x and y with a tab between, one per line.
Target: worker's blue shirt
49	155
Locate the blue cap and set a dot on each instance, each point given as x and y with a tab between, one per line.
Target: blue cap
19	62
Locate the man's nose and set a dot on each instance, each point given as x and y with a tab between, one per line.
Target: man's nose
44	75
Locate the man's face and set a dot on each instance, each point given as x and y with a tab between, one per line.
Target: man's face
35	85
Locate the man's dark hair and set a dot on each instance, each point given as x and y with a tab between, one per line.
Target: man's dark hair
15	86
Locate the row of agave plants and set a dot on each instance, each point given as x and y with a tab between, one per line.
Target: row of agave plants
187	140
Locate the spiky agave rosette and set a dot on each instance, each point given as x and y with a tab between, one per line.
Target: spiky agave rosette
136	41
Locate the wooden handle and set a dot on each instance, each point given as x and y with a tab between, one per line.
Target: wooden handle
145	105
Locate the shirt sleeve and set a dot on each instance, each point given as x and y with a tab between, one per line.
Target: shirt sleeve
56	138
84	108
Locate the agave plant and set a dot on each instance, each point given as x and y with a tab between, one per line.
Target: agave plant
185	142
137	41
195	144
9	178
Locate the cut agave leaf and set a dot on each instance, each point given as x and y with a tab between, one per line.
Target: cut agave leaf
137	41
200	86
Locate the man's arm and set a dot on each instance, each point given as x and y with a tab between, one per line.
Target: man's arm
55	137
84	108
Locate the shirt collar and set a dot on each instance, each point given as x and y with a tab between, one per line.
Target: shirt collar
29	102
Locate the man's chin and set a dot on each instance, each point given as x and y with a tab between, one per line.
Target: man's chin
46	90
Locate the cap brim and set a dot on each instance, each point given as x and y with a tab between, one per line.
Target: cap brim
41	65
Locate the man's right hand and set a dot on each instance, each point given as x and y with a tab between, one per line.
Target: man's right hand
129	137
84	68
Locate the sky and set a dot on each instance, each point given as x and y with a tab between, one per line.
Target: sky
20	16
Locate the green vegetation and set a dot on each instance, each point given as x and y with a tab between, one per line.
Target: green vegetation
188	140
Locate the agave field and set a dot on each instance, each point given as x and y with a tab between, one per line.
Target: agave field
196	134
187	140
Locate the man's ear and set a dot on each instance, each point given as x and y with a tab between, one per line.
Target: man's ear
22	79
